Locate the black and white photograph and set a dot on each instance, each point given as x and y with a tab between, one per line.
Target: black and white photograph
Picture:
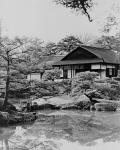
59	74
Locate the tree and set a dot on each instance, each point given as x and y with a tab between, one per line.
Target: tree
78	5
68	44
9	55
33	52
51	49
106	42
111	21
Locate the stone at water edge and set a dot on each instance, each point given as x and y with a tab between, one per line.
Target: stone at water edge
83	98
4	118
39	101
110	106
93	94
83	103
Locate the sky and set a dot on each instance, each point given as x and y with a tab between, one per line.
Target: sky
50	22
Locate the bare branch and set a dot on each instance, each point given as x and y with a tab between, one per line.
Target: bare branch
5	58
14	48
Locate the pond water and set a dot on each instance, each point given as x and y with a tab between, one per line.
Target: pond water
73	130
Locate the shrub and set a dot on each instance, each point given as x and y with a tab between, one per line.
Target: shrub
44	88
82	82
51	75
65	86
87	75
109	92
19	90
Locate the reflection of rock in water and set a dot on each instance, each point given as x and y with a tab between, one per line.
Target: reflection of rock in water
19	130
5	144
48	134
5	135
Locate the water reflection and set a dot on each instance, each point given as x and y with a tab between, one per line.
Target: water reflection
5	134
85	128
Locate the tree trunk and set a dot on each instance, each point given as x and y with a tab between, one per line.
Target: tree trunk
7	85
6	92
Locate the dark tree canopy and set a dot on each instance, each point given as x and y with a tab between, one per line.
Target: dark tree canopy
78	5
68	44
109	42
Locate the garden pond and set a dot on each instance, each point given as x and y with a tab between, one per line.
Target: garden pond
63	130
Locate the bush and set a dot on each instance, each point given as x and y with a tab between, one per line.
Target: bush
65	86
18	90
87	75
109	90
82	82
51	75
44	88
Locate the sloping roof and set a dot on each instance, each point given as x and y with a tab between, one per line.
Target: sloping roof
108	55
103	55
52	58
71	62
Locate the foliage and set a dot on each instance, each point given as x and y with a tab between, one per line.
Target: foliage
51	49
65	86
18	90
51	75
82	82
90	76
44	88
109	42
111	21
49	88
78	5
64	46
68	44
107	92
110	89
10	58
33	53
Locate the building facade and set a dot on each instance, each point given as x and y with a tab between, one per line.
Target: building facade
87	58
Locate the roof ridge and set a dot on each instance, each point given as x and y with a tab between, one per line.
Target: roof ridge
96	47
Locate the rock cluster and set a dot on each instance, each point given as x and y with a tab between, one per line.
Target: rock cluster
84	102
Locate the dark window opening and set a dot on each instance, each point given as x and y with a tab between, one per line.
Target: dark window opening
65	74
111	72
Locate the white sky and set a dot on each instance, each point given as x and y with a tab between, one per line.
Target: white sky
43	19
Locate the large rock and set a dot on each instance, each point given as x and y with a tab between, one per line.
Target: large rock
4	118
106	106
60	101
48	106
70	106
22	118
42	104
93	94
83	102
83	98
39	101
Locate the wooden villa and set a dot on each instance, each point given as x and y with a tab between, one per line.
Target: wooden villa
87	58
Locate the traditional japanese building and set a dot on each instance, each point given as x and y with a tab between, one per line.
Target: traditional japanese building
87	58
